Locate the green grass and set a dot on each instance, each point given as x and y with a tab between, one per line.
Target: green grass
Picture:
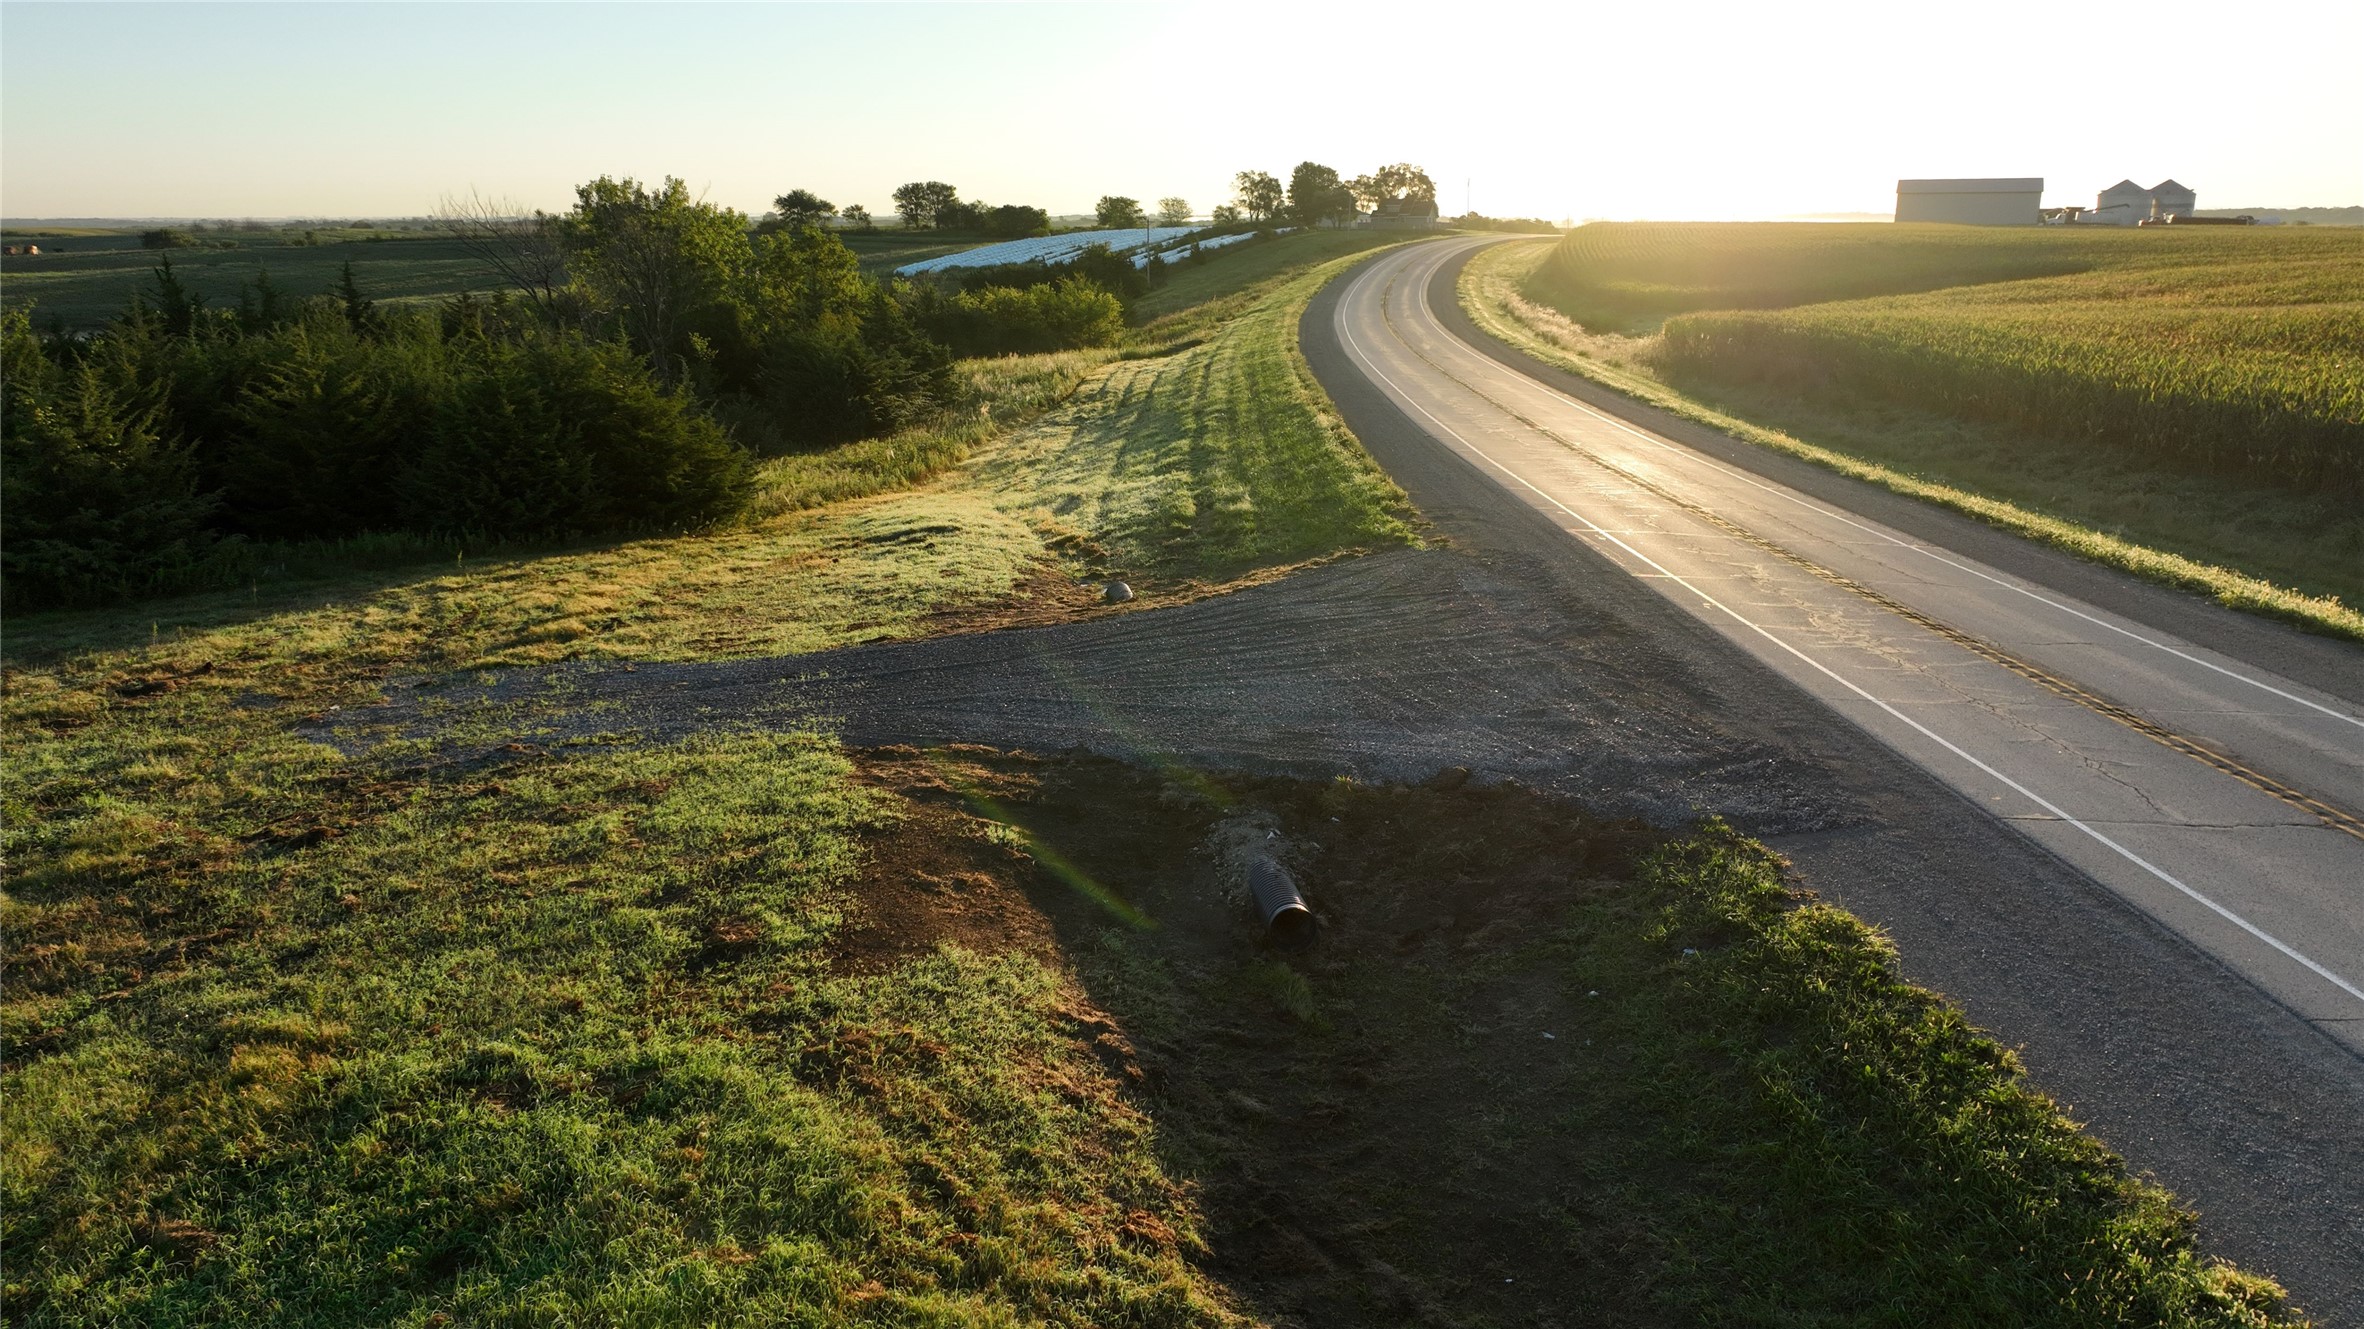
566	1032
1214	461
1200	296
2254	546
553	1042
1846	1141
303	1037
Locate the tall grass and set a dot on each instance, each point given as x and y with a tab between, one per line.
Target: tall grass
2236	354
1628	276
2259	548
994	394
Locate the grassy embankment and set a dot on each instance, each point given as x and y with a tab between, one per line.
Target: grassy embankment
618	1029
302	1037
2184	406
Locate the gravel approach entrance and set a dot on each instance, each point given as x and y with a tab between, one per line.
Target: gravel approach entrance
1396	666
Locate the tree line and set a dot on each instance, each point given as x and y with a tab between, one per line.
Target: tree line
648	348
1314	194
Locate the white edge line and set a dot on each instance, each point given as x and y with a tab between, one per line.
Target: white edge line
1783	493
2032	796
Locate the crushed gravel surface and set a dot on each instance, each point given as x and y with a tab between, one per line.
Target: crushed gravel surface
1390	667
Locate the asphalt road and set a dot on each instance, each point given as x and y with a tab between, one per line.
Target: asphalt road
2119	824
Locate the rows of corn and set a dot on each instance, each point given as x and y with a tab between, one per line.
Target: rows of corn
2234	352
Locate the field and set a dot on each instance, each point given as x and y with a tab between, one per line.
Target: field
86	276
83	281
2200	394
884	250
750	1026
1058	248
1632	276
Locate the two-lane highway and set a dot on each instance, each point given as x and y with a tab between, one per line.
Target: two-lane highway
2216	796
2118	823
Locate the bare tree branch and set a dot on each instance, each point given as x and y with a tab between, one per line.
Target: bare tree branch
522	247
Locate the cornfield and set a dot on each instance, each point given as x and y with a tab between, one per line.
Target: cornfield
2224	352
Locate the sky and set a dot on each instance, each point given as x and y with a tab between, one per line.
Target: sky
1569	110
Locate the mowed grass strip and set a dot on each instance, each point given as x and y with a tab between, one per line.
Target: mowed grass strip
1197	297
1212	462
1845	1141
2254	544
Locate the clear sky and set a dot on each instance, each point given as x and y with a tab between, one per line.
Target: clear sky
1631	109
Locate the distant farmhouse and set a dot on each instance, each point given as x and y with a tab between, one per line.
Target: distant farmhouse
2013	202
1401	214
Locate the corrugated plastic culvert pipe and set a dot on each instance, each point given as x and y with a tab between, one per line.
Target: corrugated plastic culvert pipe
1286	919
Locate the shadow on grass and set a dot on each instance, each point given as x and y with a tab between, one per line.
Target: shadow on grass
1542	1068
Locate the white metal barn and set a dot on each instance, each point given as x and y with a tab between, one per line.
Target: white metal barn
2127	203
2122	204
1971	202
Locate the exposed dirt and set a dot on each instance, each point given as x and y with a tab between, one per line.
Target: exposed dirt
942	874
1371	1122
1048	595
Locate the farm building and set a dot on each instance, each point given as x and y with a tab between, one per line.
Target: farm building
1405	214
2129	204
2122	204
2011	202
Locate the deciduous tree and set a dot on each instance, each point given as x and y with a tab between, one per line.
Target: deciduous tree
1013	221
961	215
1116	212
1316	195
649	258
1173	212
922	201
802	207
1399	181
1260	195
